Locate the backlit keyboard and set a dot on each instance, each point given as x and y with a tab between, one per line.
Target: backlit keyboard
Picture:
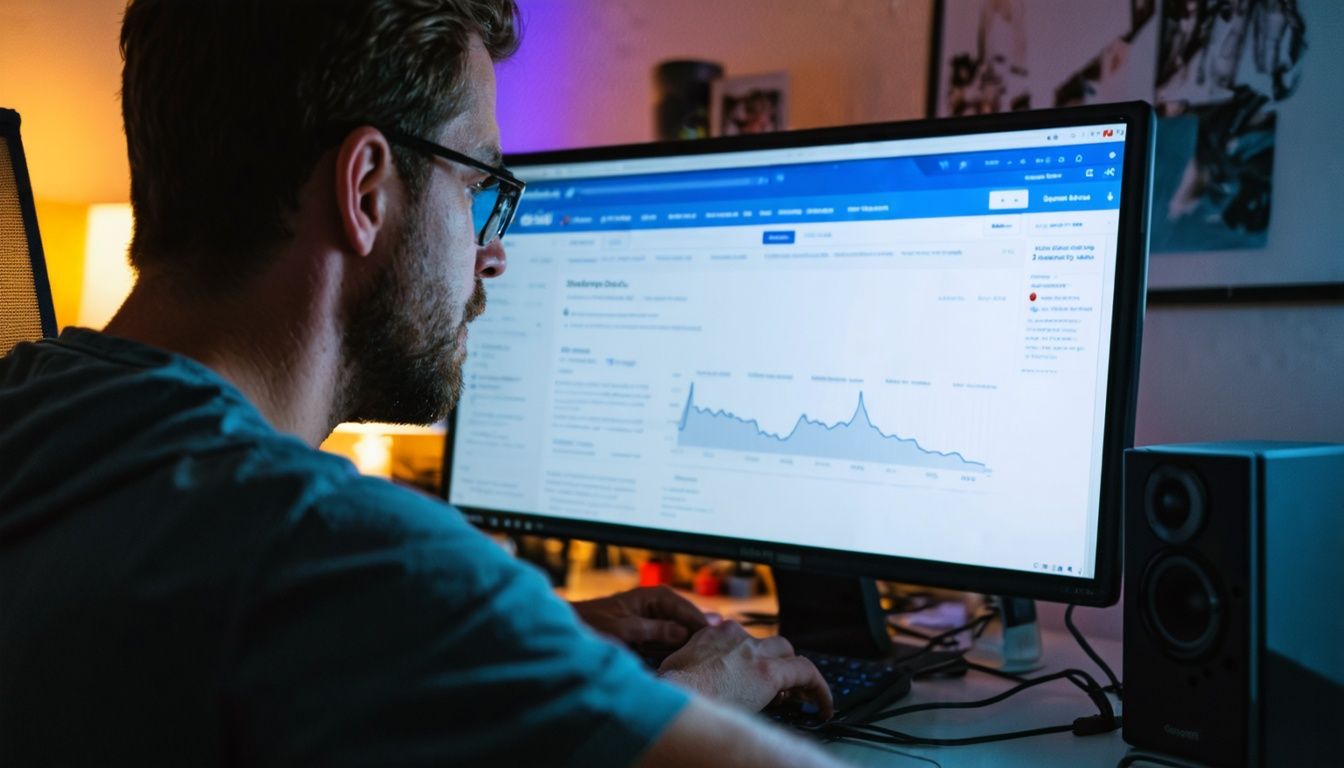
855	684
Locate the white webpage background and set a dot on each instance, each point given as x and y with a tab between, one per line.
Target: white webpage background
579	373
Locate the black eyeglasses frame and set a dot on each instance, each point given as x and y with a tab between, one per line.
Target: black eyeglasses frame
510	187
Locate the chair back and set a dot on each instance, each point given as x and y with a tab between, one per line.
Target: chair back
26	312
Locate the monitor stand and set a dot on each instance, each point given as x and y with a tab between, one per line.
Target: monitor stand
832	614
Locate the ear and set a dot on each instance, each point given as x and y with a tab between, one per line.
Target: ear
364	184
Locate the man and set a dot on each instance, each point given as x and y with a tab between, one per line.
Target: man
183	578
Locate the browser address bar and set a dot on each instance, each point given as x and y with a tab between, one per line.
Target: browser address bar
671	186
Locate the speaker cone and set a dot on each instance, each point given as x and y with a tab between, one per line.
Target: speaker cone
1182	606
1174	503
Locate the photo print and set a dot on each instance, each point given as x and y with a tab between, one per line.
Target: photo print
1223	66
749	104
1008	55
1216	70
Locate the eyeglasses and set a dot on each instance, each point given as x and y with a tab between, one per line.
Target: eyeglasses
496	199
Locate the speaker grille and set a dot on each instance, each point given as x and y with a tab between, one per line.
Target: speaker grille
19	317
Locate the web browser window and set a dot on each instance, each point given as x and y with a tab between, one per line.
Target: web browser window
897	348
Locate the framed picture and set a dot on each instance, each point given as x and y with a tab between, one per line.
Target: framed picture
1000	55
1243	107
749	104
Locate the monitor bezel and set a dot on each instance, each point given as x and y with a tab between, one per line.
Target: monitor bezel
1122	375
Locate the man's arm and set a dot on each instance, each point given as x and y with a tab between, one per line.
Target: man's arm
707	733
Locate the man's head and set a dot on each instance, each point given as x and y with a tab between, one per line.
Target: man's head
230	104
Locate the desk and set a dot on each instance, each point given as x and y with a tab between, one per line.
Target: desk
1054	703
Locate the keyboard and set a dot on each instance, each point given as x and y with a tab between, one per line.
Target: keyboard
857	686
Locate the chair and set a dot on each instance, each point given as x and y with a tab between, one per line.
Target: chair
26	312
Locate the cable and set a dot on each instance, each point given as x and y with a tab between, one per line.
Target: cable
995	699
1103	722
1116	686
887	736
1134	759
862	728
975	626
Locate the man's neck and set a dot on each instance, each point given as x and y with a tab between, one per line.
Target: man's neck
275	339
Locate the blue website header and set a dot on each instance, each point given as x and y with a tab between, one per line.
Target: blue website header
1035	180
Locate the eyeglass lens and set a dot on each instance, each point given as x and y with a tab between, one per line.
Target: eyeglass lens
491	213
484	216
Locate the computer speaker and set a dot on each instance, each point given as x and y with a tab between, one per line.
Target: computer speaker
1234	570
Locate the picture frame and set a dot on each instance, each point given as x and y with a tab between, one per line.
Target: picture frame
749	104
1229	207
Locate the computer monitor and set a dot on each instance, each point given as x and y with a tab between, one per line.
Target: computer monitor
905	351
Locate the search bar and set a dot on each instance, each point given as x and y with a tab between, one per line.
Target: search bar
671	186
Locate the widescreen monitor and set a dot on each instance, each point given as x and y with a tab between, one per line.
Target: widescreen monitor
905	351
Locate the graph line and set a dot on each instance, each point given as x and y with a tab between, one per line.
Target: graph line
857	439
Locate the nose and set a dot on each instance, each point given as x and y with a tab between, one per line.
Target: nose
490	259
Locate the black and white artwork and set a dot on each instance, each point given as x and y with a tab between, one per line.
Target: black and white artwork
1223	67
1001	55
1243	100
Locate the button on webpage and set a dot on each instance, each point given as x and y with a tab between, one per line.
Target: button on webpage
781	237
1005	199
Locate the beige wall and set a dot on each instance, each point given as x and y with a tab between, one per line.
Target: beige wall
61	69
850	61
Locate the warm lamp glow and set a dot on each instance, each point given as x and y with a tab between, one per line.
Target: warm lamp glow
373	454
377	428
377	448
107	272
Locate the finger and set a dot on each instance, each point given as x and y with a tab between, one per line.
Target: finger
636	631
730	628
666	604
798	674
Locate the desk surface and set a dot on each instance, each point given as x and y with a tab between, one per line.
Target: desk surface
1054	703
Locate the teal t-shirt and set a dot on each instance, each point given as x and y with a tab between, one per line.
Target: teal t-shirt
182	584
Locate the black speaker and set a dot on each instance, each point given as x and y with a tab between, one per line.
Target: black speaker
1233	636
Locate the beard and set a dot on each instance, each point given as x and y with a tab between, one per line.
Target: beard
403	349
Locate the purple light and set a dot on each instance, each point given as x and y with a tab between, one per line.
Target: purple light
534	108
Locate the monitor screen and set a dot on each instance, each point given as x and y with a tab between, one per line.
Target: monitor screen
904	350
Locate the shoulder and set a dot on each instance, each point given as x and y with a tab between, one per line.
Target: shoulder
382	611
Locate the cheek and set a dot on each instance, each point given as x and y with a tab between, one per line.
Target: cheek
460	237
454	248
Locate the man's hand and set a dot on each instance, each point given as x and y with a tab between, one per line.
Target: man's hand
725	663
648	617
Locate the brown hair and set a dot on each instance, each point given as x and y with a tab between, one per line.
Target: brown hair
229	104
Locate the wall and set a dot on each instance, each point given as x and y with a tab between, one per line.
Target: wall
584	74
583	78
61	69
64	230
1272	372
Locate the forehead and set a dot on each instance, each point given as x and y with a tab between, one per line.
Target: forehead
474	129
